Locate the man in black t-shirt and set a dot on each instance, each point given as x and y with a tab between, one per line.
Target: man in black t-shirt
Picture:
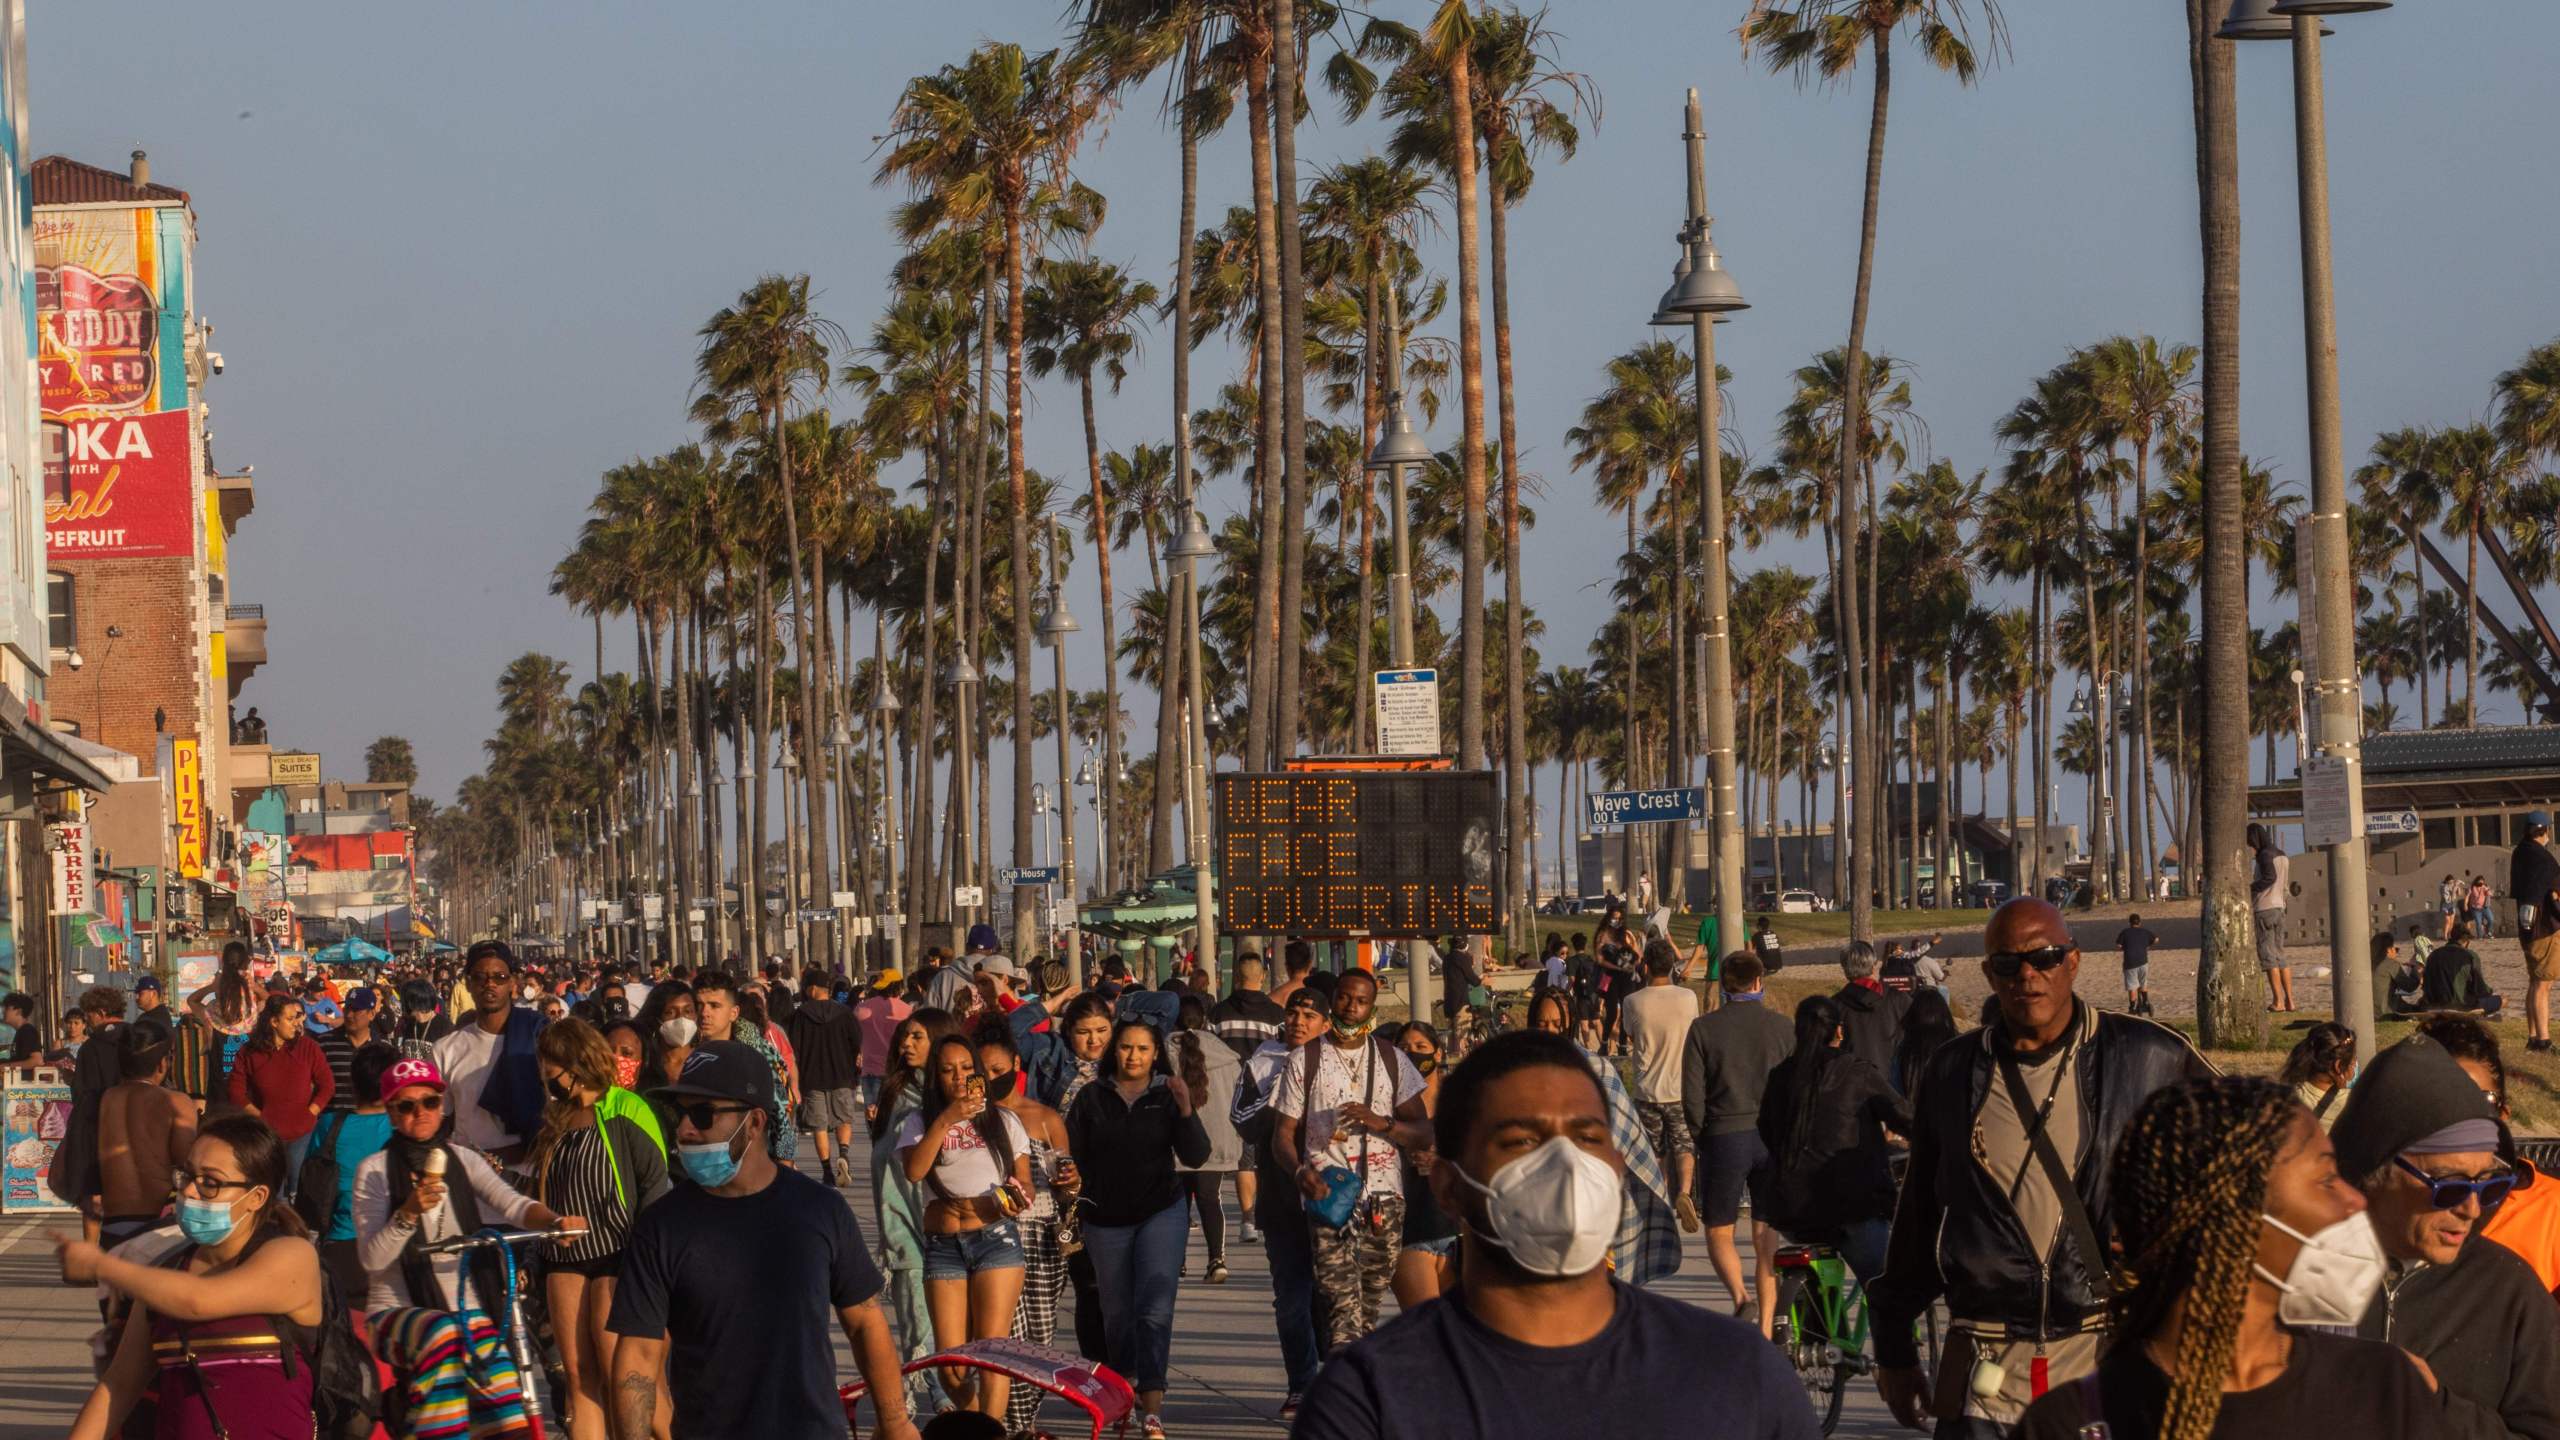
17	1016
2133	947
826	1038
1538	1339
727	1282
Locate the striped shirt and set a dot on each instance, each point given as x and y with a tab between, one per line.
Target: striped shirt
578	1180
342	1064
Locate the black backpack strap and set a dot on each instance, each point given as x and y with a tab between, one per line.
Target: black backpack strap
2075	1214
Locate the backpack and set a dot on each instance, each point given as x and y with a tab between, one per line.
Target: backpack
346	1389
315	1194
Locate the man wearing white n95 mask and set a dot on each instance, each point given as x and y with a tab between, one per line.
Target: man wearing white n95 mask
1539	1340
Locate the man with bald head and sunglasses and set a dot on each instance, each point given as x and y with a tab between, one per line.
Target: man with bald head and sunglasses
2004	1210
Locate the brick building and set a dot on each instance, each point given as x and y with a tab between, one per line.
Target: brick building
138	522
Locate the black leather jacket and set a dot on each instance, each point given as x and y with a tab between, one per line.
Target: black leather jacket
1955	1232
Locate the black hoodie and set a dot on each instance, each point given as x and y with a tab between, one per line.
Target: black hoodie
1871	1023
2483	1324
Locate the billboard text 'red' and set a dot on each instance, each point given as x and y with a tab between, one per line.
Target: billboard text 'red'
117	487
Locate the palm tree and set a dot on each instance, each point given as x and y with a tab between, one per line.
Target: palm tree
2229	1012
759	358
977	141
1822	39
390	761
2475	471
1082	316
2529	403
1362	219
2398	486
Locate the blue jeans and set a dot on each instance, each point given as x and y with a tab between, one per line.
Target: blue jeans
1862	1244
294	1150
1136	1268
1293	1295
957	1257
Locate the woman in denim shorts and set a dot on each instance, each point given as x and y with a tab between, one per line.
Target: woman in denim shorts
974	1159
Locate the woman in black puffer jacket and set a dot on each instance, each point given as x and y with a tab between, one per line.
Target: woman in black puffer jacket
1830	1178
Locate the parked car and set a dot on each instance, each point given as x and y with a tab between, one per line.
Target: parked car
1795	902
1987	894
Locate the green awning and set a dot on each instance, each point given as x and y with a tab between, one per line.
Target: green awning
1163	906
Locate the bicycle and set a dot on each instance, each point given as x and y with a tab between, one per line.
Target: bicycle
541	1384
1822	1326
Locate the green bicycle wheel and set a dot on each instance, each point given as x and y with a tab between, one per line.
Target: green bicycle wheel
1804	1336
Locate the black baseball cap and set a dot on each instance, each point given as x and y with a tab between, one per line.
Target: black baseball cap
1308	997
723	1070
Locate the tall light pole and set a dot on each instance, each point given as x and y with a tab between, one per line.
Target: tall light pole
1055	627
884	703
1396	449
2337	691
1705	293
959	675
1189	548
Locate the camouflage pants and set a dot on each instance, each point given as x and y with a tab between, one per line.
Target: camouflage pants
1354	1265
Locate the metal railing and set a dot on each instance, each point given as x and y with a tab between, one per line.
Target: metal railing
247	612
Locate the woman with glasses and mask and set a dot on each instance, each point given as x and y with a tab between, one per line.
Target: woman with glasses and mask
247	1288
600	1154
2240	1239
423	1188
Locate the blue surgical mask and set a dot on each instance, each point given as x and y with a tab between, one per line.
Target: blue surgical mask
206	1222
710	1163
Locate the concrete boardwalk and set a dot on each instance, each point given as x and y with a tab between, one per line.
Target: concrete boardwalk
1226	1362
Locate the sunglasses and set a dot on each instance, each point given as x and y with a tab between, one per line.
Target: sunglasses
2009	964
702	1112
427	1104
2448	1192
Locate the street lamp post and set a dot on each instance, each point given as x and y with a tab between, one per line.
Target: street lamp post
1396	449
1055	627
1705	294
2337	691
884	703
1191	547
959	675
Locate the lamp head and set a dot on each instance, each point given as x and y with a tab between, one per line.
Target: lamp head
1399	446
2257	20
1194	542
1705	289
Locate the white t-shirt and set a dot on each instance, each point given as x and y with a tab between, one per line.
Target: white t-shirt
465	1057
1345	1078
1657	1023
966	1168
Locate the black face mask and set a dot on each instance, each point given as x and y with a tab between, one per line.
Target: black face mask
1000	1087
1424	1064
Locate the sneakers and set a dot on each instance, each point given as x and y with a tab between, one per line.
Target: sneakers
1152	1426
1217	1274
1251	1235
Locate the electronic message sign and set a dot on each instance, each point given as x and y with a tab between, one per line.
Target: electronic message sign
1362	853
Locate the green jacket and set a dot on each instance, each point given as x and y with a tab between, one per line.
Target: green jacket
634	1145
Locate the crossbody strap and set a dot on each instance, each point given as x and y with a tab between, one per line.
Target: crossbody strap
2075	1215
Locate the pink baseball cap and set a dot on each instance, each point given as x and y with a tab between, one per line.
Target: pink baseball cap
411	1072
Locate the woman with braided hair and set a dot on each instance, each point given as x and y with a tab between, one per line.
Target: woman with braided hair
2235	1233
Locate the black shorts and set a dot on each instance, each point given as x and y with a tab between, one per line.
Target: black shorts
1727	1165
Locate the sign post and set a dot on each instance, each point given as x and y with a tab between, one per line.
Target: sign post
1408	712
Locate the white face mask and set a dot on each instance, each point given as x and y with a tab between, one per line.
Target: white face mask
678	1030
2333	1276
1554	1210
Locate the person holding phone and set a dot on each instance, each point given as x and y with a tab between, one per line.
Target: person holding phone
974	1159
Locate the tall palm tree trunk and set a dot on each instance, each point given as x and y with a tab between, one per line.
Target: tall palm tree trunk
2471	621
1270	482
1373	410
1109	820
1867	745
811	667
1024	896
1292	377
1171	691
2229	1013
1471	488
1515	693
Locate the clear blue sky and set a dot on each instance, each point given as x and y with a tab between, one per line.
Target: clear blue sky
457	254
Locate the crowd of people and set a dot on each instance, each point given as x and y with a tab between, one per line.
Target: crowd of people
2115	1235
